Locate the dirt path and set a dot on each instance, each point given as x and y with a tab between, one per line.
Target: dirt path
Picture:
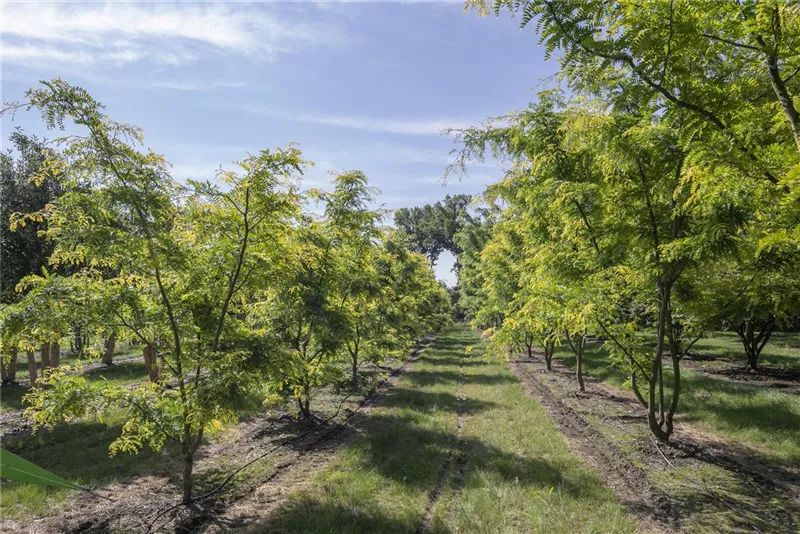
696	482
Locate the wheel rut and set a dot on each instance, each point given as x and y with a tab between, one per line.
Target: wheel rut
454	466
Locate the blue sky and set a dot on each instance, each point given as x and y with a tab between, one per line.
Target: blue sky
364	85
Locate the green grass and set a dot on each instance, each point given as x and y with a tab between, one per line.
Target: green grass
783	349
119	374
520	475
763	418
77	451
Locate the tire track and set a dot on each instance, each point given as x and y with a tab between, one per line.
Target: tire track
456	462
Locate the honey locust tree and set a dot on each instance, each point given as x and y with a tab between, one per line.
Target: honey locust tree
395	300
625	225
189	254
306	310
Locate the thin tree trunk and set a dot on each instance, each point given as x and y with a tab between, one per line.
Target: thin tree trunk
754	343
676	354
652	413
12	366
110	345
55	354
549	349
78	341
32	367
45	357
579	358
581	343
151	362
188	467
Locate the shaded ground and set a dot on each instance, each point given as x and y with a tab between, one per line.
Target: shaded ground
721	356
698	483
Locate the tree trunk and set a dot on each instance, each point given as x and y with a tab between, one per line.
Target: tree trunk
188	466
655	379
151	362
55	354
529	346
754	343
12	366
78	341
304	404
354	371
110	345
579	358
549	349
32	367
45	357
581	343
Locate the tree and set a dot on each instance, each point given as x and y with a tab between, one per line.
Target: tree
432	228
25	186
471	239
307	307
752	293
181	261
230	286
720	64
601	200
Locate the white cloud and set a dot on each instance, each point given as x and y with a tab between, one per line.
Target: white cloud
370	124
189	85
162	33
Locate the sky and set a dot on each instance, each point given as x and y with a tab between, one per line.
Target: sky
358	85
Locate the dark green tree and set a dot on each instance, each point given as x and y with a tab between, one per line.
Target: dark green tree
25	187
432	228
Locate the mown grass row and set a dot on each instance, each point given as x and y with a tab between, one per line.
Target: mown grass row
519	475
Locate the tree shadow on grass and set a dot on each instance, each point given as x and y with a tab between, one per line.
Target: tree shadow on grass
11	397
431	377
735	407
397	447
307	515
425	401
463	361
405	455
79	452
127	372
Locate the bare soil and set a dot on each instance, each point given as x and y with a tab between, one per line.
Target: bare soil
696	483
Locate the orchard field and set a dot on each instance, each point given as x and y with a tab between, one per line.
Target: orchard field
619	350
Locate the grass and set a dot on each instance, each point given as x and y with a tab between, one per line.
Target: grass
119	374
77	451
783	349
765	419
519	474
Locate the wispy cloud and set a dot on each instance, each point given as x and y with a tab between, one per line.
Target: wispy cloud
193	85
370	124
171	34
